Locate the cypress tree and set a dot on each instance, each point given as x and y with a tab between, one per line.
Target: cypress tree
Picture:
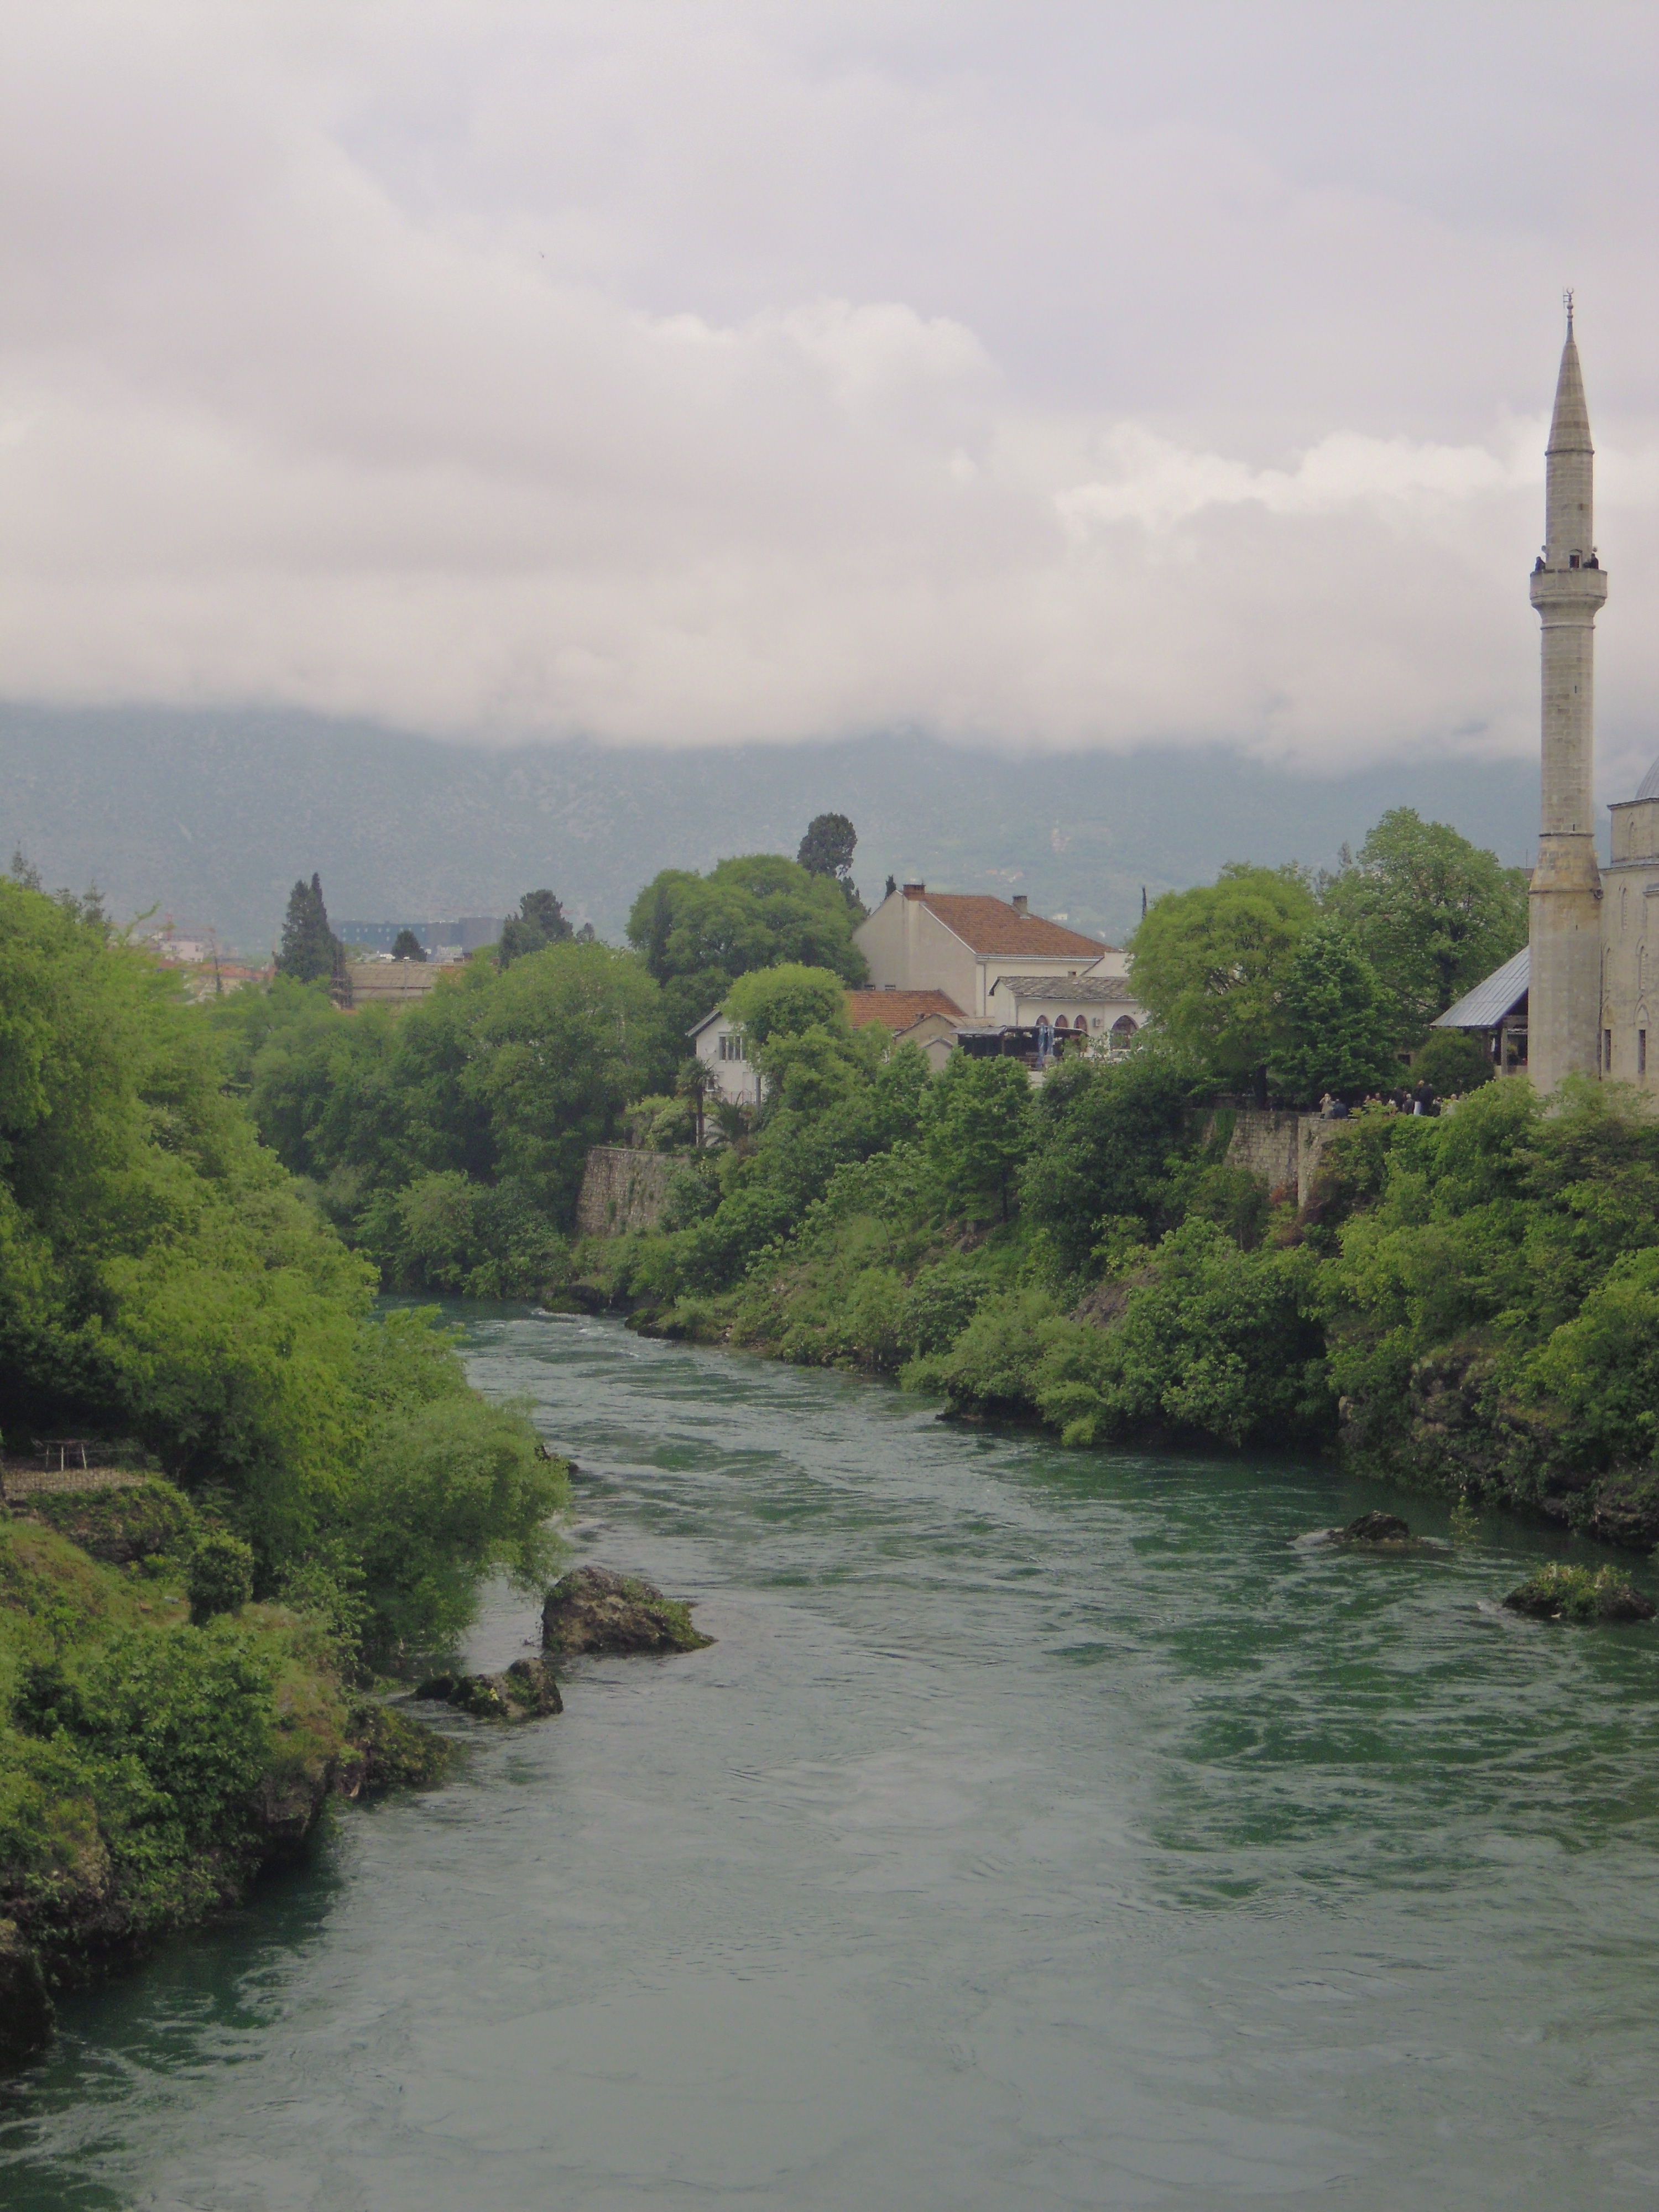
310	951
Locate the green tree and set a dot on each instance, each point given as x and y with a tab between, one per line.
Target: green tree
976	1127
310	951
798	1035
407	946
782	1001
1453	1062
539	921
559	1044
697	934
1213	964
1342	1025
827	850
1107	1151
1433	913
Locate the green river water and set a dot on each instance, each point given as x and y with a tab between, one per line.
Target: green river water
1044	1830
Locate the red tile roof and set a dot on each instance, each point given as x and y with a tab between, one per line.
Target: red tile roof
899	1010
991	925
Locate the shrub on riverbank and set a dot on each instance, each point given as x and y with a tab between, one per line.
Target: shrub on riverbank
150	1767
163	1280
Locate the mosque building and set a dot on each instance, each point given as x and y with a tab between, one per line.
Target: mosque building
1577	1000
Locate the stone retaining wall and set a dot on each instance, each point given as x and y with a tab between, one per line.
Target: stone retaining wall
622	1190
26	1482
1284	1149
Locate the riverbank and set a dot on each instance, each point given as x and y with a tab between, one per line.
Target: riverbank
1468	1307
161	1756
1042	1827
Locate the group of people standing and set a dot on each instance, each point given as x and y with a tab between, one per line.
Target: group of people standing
1420	1099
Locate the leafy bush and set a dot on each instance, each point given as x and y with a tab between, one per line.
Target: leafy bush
443	1495
221	1577
1560	1592
1209	1339
1452	1062
138	1522
977	1129
992	1368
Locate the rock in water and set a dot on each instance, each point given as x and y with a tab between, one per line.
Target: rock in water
526	1692
27	2022
1567	1592
595	1610
1374	1529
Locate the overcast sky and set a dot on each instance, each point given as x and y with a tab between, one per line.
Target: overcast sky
1040	376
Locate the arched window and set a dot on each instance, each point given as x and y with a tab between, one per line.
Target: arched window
1063	1022
1123	1030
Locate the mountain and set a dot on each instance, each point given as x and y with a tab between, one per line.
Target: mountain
210	816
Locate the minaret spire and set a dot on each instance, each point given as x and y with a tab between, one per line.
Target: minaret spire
1564	1012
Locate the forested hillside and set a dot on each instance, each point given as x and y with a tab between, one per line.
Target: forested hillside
211	816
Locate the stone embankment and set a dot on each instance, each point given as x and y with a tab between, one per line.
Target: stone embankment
1283	1149
622	1190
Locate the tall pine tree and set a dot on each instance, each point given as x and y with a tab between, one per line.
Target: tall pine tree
310	952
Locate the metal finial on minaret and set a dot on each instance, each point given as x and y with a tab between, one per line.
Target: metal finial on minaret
1563	994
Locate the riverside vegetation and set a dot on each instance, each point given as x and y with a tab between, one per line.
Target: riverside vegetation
198	1204
1469	1303
187	1663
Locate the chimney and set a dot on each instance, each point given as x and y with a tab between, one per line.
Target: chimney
914	890
1020	905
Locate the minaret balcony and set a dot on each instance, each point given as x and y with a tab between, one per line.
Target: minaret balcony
1565	591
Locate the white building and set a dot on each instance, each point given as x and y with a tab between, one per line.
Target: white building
999	961
718	1042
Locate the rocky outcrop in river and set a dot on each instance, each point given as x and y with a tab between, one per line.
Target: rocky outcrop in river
1567	1593
595	1610
526	1692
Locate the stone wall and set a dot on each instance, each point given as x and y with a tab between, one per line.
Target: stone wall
1284	1149
388	982
622	1190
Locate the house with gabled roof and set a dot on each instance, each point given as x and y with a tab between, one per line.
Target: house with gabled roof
928	1019
963	944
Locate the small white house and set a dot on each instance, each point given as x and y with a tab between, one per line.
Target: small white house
718	1042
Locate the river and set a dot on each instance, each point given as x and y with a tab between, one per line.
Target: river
1044	1830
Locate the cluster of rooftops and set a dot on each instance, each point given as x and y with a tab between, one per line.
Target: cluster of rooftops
966	972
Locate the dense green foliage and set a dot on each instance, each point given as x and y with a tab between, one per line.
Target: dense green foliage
174	1654
1429	910
446	1141
1296	985
162	1279
1472	1302
697	934
539	922
1211	965
827	850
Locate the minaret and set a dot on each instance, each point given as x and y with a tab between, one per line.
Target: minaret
1564	1002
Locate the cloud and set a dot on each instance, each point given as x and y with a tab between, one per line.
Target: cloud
1159	484
1039	377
